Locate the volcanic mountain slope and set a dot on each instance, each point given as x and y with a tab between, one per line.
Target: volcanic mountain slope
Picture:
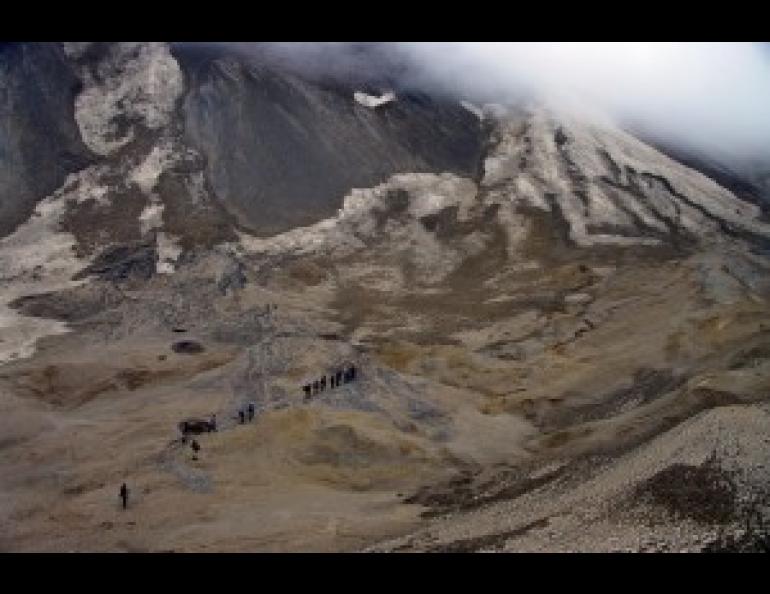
312	143
39	140
561	334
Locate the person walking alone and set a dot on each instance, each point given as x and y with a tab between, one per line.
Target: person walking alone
124	495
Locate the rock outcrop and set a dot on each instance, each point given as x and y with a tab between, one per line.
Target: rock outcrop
40	143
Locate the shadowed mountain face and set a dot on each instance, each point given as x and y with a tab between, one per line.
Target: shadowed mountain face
280	149
39	139
282	152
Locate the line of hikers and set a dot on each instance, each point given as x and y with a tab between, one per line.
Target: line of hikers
341	376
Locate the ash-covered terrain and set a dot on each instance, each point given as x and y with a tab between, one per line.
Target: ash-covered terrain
561	334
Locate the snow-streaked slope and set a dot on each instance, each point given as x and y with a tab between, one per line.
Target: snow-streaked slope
610	187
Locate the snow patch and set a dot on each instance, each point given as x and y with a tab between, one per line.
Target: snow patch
84	185
146	174
151	217
474	109
167	245
168	252
95	193
371	101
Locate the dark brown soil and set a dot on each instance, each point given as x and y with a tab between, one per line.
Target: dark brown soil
470	490
120	262
645	386
90	220
490	541
704	493
754	541
70	305
188	347
750	357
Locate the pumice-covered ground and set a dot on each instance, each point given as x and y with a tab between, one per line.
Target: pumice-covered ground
564	349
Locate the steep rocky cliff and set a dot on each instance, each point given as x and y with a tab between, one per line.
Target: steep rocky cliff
39	139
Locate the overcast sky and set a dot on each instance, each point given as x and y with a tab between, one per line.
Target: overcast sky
714	95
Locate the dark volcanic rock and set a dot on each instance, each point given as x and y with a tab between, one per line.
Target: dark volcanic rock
123	262
283	151
40	142
232	279
195	426
188	347
70	305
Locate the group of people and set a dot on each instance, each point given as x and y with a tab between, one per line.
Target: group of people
194	426
341	376
246	414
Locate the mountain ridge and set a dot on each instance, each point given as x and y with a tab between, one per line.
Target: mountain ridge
557	329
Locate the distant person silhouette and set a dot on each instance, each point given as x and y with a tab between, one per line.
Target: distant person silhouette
213	423
241	416
195	448
124	495
251	411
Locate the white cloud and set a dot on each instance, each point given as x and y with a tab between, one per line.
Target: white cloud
712	95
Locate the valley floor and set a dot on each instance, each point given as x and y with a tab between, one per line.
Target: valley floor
529	426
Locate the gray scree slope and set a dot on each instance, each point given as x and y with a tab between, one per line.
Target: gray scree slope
283	152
